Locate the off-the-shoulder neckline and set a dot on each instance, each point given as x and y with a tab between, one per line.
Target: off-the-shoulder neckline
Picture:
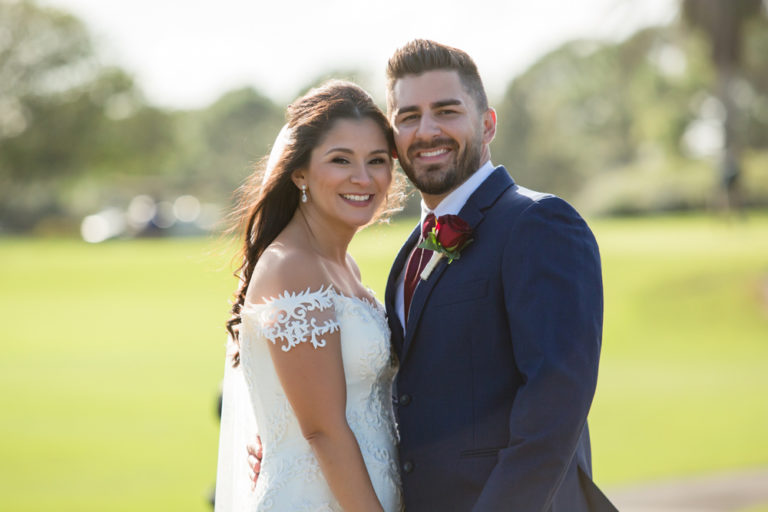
323	290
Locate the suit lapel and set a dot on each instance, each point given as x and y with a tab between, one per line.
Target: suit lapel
473	213
395	326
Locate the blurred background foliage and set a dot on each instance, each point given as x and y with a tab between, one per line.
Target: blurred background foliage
672	118
638	126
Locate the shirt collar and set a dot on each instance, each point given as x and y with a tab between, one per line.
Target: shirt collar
455	201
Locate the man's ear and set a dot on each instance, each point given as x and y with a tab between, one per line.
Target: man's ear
489	125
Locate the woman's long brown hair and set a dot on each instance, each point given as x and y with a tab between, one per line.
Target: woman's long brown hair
264	209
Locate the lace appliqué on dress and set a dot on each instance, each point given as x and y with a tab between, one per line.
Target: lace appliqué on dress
291	478
286	318
375	368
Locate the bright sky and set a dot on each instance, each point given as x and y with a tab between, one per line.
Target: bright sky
186	53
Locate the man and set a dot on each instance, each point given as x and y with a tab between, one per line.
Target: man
499	349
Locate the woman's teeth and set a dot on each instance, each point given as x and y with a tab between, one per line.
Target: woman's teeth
354	197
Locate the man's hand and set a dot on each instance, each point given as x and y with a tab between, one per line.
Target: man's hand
254	461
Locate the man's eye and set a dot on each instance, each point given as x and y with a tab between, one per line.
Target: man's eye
445	112
409	118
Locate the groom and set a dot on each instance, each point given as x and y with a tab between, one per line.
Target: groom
499	349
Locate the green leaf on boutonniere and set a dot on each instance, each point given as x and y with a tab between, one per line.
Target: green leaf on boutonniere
431	243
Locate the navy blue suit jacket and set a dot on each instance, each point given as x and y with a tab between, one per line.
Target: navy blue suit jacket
498	364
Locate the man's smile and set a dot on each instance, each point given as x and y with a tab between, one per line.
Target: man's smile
436	151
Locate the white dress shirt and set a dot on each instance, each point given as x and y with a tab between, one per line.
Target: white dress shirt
450	205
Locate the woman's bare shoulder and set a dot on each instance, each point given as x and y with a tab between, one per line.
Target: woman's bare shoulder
283	268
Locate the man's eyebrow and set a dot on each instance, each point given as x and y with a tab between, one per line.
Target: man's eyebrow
410	108
437	104
446	103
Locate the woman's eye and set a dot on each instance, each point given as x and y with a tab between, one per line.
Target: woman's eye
378	161
340	160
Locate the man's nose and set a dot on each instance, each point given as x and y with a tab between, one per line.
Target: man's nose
428	127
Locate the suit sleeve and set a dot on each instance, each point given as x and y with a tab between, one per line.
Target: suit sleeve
553	300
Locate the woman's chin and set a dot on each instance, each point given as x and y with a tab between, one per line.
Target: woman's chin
360	217
358	221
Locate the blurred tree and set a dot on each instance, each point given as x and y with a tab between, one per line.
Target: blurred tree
63	116
754	97
588	108
43	54
358	76
629	127
41	51
219	145
724	23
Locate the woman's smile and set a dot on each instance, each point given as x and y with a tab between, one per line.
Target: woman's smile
360	200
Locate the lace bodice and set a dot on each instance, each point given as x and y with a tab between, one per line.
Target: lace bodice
290	478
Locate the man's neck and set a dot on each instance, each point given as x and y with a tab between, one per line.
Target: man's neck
432	201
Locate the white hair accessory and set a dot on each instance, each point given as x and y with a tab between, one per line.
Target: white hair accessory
282	140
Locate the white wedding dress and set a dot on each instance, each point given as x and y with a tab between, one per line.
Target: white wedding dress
290	478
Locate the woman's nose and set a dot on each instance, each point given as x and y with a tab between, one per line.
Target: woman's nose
361	176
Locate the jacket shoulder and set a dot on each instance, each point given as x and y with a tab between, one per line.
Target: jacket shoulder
532	202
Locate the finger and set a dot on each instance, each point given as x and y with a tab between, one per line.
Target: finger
254	464
254	478
255	451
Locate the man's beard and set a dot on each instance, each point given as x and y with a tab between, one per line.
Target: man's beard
435	182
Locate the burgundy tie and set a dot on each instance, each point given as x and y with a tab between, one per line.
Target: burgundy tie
416	263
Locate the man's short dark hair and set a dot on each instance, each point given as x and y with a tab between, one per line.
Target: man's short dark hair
422	55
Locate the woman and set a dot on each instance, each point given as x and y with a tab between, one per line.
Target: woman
310	340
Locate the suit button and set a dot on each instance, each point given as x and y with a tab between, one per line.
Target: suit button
408	466
405	399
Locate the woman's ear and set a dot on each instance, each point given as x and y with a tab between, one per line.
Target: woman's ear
299	178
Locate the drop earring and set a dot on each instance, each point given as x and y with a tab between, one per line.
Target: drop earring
303	193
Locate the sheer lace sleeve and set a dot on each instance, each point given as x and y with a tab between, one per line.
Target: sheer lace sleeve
293	318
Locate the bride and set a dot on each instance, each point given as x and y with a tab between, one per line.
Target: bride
310	357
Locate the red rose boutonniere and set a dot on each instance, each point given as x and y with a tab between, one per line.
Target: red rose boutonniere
448	238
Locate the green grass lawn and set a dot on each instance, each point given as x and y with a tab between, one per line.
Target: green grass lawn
111	355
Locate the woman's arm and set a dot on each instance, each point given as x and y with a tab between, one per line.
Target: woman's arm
310	368
314	383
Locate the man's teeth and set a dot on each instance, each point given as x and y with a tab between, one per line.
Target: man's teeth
433	153
353	197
